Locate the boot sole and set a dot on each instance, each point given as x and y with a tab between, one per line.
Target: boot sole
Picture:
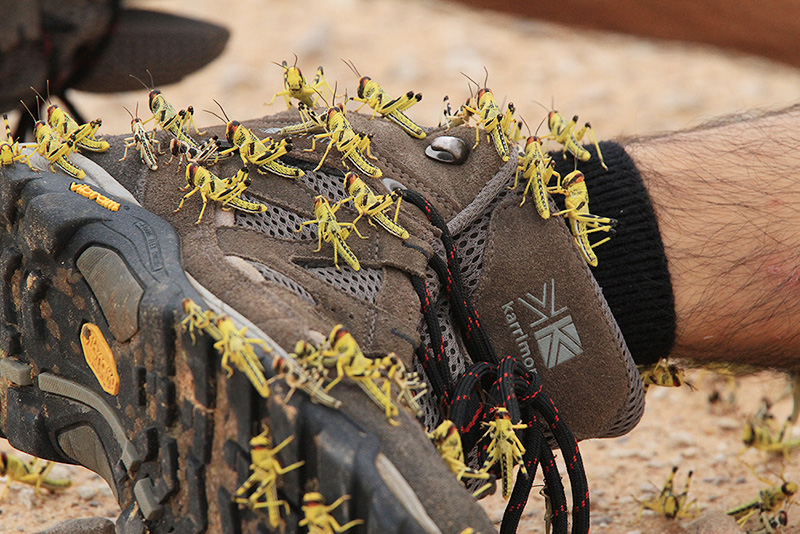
68	262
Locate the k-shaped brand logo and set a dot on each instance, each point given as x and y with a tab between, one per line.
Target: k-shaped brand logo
553	329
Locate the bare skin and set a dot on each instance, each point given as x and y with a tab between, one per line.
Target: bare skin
725	195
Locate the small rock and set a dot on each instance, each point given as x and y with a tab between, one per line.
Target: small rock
719	459
626	500
655	464
717	480
690	452
741	480
728	423
634	532
601	520
683	439
87	493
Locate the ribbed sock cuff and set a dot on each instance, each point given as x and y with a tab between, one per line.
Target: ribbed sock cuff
632	266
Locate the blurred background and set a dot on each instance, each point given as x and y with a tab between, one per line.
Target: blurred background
626	85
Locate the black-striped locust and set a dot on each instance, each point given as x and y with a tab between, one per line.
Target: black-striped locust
664	374
504	447
34	472
373	206
207	154
447	441
143	142
226	191
263	153
373	95
581	222
10	151
230	342
769	501
564	133
295	85
332	231
265	468
761	432
537	169
670	504
488	115
353	146
55	151
175	122
65	127
318	518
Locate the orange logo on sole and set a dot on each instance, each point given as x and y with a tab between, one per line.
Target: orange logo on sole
100	358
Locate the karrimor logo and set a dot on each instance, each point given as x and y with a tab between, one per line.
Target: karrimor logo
553	329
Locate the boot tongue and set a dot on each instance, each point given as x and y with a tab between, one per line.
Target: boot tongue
535	294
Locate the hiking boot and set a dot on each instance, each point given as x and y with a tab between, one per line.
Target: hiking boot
114	358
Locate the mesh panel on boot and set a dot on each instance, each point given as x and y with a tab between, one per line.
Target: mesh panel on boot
275	222
364	284
274	276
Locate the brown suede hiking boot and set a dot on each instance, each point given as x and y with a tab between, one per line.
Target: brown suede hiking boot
119	327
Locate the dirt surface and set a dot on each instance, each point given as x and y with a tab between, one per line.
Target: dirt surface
625	86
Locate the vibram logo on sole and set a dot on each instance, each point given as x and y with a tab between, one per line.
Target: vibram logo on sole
91	194
100	358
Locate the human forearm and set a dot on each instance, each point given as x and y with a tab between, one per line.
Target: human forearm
725	195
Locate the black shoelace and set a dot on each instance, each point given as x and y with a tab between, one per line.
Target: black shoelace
490	383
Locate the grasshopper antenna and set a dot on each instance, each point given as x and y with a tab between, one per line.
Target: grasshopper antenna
217	116
352	67
295	60
29	109
152	83
38	96
140	81
129	111
222	110
473	81
486	79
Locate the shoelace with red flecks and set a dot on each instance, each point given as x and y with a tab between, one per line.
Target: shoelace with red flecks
492	382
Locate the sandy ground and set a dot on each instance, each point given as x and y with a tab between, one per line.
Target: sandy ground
625	86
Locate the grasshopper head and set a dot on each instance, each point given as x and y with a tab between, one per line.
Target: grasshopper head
293	78
319	201
485	96
572	179
531	140
554	120
54	114
191	171
501	413
40	130
231	130
313	498
789	488
351	180
155	99
363	83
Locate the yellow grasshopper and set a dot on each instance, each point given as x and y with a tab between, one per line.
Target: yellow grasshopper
318	518
537	169
563	132
581	222
447	441
670	504
295	85
769	500
353	147
332	231
373	95
494	122
664	374
10	152
263	153
225	191
504	447
56	152
368	203
65	128
141	141
265	469
230	342
34	473
341	351
176	123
